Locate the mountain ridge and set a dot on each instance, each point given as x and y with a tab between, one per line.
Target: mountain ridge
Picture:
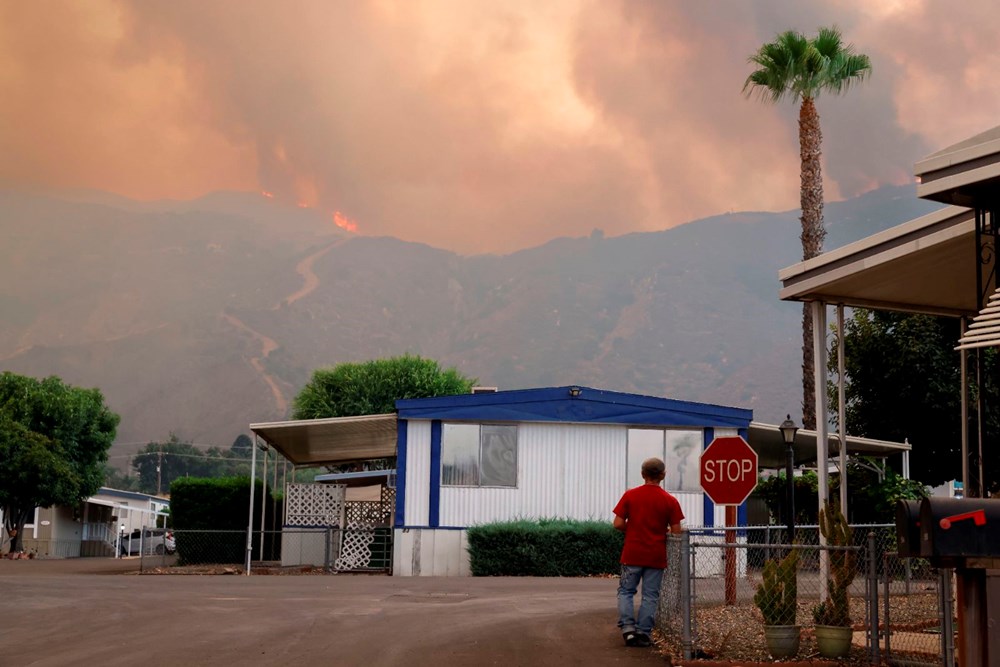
201	318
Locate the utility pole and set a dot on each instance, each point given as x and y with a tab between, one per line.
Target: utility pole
159	468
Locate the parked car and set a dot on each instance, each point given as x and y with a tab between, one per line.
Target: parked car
156	541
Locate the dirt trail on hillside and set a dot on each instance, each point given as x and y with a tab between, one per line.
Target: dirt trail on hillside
310	281
267	346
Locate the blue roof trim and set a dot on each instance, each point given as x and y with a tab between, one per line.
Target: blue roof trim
434	502
401	463
555	404
708	507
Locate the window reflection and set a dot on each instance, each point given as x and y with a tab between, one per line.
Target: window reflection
474	455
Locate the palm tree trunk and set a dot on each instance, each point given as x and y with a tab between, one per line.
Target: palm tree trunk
813	232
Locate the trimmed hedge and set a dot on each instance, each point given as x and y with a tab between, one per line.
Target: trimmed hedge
545	548
199	505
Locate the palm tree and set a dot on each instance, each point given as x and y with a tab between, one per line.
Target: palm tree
800	68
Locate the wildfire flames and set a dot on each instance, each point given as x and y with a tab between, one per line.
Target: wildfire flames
344	222
339	218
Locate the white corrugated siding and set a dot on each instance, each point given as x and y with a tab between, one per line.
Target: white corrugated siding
693	506
426	552
416	506
563	470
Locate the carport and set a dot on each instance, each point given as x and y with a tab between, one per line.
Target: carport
317	442
943	264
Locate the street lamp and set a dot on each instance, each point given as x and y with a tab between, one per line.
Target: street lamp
788	430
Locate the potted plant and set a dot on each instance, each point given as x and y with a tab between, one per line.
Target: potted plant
833	614
776	597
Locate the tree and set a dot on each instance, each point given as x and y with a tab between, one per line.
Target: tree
793	66
874	489
904	381
116	479
372	387
54	441
158	464
241	446
774	491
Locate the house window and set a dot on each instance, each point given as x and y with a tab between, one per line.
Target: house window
478	455
678	448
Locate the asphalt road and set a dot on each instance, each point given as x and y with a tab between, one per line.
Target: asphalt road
87	611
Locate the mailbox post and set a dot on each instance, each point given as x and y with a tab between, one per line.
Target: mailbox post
964	535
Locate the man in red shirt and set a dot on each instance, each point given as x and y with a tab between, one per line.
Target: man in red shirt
645	514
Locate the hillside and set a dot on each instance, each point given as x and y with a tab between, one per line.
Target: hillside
201	317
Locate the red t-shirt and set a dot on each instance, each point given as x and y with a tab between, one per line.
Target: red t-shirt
649	511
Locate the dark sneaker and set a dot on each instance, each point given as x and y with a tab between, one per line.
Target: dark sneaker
630	637
642	640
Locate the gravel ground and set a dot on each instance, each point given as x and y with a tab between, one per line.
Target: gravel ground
735	633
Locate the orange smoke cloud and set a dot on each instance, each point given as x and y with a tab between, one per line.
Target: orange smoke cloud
487	116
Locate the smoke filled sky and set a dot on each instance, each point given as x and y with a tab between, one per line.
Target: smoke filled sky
475	126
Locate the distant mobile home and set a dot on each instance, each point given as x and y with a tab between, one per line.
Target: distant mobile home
92	527
564	452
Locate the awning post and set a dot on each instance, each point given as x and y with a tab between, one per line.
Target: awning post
841	409
822	428
253	474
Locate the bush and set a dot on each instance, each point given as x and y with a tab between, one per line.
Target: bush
213	504
545	548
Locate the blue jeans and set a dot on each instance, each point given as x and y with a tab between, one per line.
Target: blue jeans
651	578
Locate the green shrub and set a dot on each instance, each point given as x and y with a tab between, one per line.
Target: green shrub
199	505
545	548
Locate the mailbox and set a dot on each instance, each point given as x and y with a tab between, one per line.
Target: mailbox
957	529
908	528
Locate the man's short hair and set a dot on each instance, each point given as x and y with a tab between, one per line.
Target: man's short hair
653	469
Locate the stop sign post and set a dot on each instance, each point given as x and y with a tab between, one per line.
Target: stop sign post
728	476
728	470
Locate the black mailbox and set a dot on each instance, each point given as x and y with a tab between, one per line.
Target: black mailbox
908	528
955	529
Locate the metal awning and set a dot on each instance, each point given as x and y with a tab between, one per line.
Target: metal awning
313	442
766	440
926	265
360	478
966	173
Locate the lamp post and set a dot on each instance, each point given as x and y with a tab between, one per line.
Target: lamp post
788	430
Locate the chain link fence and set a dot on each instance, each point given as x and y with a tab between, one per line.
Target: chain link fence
326	549
708	607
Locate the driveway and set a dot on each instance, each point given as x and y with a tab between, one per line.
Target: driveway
86	611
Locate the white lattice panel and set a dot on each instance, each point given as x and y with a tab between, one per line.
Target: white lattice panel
355	551
315	504
367	513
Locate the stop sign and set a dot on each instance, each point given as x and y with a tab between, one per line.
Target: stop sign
728	470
